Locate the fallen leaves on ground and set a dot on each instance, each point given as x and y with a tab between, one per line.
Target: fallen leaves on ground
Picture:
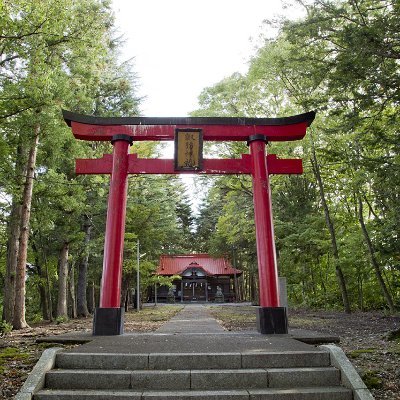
364	336
19	351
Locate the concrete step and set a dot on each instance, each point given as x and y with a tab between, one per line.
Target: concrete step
193	379
180	361
317	393
47	394
256	375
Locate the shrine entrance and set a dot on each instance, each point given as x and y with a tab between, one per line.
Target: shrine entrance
194	285
194	290
188	134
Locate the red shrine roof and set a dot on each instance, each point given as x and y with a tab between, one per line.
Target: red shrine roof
177	264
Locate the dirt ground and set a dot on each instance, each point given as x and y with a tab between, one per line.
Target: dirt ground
364	338
19	351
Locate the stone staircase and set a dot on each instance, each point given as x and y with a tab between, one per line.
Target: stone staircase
280	375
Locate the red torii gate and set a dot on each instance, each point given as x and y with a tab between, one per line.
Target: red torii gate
121	132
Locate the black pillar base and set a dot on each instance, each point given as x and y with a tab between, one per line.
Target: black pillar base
272	320
108	321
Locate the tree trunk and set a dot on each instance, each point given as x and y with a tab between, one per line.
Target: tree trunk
13	232
241	288
62	308
49	295
126	284
44	304
253	289
303	286
127	300
235	279
360	292
338	270
44	301
44	288
374	261
91	298
82	309
12	259
71	292
19	306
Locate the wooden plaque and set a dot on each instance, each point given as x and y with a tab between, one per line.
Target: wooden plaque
188	149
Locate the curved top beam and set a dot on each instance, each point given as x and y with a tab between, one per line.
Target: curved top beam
86	127
70	117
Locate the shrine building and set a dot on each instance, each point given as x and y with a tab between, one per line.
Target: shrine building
204	278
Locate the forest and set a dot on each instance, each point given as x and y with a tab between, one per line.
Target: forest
336	225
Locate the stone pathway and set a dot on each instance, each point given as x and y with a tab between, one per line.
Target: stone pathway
193	318
192	330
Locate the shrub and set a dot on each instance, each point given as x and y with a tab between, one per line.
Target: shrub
5	328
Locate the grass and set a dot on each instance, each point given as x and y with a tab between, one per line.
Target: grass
372	379
232	317
153	314
149	319
395	349
11	354
306	322
358	352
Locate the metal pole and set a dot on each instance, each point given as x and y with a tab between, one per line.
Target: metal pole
138	278
110	294
266	253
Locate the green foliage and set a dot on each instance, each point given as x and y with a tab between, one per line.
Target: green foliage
342	60
56	56
5	328
8	354
36	319
61	320
394	335
358	352
372	379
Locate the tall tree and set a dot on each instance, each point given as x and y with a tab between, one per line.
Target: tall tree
62	305
52	55
19	305
332	231
342	60
82	308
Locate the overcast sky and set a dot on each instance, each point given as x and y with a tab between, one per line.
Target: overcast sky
182	46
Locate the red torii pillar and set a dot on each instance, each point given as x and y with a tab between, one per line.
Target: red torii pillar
271	318
115	225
